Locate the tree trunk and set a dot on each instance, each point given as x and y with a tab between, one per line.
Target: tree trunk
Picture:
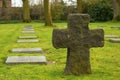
47	12
116	9
26	11
79	6
4	4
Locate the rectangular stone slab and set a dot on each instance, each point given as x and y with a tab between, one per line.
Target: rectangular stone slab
111	36
116	27
26	59
26	50
114	40
28	29
28	32
27	37
28	41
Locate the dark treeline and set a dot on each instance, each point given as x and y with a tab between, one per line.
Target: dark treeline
100	10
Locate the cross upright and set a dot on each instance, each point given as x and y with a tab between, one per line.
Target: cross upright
78	39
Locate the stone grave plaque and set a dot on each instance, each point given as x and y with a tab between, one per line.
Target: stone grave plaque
114	40
111	36
28	32
27	37
116	27
26	59
28	41
28	29
27	50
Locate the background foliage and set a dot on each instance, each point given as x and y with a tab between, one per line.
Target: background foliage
99	10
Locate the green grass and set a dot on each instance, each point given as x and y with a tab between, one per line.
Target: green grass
105	61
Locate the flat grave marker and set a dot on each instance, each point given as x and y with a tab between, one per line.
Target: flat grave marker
28	37
114	40
111	36
28	27
27	50
28	41
116	27
26	59
28	32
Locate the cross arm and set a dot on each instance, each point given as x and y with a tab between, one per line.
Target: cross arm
97	38
60	38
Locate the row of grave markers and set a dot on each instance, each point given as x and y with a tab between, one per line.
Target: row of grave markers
113	38
77	38
27	59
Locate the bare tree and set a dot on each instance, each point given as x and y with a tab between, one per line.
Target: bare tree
47	12
79	6
26	11
4	5
116	9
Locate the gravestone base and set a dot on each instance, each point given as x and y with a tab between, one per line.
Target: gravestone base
78	63
26	59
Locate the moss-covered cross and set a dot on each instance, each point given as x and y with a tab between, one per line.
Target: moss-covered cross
78	39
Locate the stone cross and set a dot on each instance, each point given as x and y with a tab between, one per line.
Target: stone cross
78	39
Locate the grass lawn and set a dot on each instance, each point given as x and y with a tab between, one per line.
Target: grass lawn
105	61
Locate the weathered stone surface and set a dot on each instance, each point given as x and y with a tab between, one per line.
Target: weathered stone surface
27	50
27	37
115	40
28	32
26	59
111	36
28	29
28	41
78	39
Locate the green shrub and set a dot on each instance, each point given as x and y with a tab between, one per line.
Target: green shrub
57	10
68	10
37	12
100	11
